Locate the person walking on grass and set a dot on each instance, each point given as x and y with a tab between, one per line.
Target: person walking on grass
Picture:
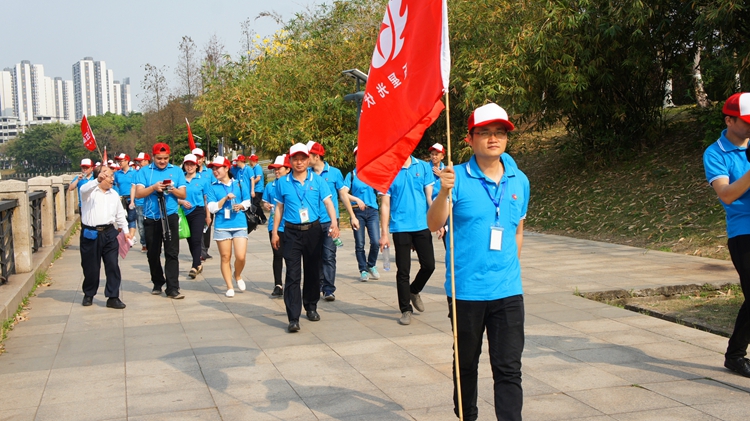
728	172
281	167
194	207
227	200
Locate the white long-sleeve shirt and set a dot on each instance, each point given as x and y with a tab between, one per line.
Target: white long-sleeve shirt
99	207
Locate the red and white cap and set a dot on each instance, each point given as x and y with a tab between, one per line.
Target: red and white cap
190	158
437	147
298	148
316	148
85	162
355	149
490	113
219	161
198	152
141	156
278	162
738	105
123	157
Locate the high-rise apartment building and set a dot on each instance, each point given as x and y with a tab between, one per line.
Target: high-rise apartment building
22	96
126	105
6	93
96	91
84	88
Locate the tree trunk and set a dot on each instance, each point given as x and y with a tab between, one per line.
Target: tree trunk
701	98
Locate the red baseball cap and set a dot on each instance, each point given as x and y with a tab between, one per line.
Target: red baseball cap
219	161
738	105
123	157
160	148
86	163
490	113
254	158
316	148
437	147
143	156
240	158
278	162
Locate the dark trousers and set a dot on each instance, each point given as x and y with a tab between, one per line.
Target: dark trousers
93	253
154	239
368	219
207	239
402	243
196	220
278	258
739	250
327	260
301	248
259	206
503	319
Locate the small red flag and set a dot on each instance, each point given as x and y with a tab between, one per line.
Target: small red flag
191	141
104	157
409	72
89	141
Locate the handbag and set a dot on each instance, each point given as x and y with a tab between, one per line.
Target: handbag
250	215
184	226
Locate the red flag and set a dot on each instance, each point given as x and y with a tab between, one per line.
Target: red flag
191	142
408	75
104	157
89	141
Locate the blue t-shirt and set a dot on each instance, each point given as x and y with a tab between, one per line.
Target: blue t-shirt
80	184
483	274
218	191
150	175
196	189
258	171
725	160
335	181
408	198
436	186
361	190
123	181
295	195
269	195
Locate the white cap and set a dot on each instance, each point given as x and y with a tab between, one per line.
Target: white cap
190	158
490	113
437	147
85	162
198	152
299	148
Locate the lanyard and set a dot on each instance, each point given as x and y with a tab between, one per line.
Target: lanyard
492	198
227	192
300	196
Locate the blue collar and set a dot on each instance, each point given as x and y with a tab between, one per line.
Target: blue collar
472	168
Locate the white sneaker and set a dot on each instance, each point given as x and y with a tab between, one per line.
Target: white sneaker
229	293
241	284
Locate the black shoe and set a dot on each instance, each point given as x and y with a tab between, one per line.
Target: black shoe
87	301
740	366
114	302
208	256
156	291
313	316
277	291
293	326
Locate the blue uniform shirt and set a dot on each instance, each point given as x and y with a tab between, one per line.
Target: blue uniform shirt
335	181
725	160
150	175
359	189
408	198
258	171
294	195
123	181
196	189
80	184
269	195
218	191
436	186
483	274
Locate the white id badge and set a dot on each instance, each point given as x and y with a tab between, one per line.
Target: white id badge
227	214
304	217
496	238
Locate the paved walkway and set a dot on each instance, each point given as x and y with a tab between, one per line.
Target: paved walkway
209	357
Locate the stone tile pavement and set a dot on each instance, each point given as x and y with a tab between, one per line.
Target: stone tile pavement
209	357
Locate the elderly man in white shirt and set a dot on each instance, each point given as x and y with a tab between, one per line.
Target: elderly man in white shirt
102	218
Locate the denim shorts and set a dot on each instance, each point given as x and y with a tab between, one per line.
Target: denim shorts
221	235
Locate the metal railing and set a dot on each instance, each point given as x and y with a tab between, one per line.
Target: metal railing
35	207
7	253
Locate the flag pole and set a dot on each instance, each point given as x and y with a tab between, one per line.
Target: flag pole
456	368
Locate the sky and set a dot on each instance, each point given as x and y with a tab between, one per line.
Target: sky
127	35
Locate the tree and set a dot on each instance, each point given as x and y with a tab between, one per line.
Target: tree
155	87
38	149
188	70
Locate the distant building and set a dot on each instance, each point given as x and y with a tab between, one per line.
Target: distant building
10	127
6	93
126	106
96	92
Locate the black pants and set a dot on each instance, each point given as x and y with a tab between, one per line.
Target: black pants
154	239
259	207
196	220
301	248
503	319
278	258
93	253
739	250
402	243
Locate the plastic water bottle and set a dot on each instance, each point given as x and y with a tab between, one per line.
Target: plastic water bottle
205	229
337	241
386	258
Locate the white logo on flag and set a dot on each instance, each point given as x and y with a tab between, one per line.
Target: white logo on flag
390	39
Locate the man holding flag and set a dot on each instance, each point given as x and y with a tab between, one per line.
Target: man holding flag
490	199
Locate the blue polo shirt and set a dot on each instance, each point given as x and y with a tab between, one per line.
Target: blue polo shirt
196	189
218	191
141	201
483	274
258	171
269	195
335	181
408	198
150	175
725	160
80	184
123	181
436	186
359	189
294	195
